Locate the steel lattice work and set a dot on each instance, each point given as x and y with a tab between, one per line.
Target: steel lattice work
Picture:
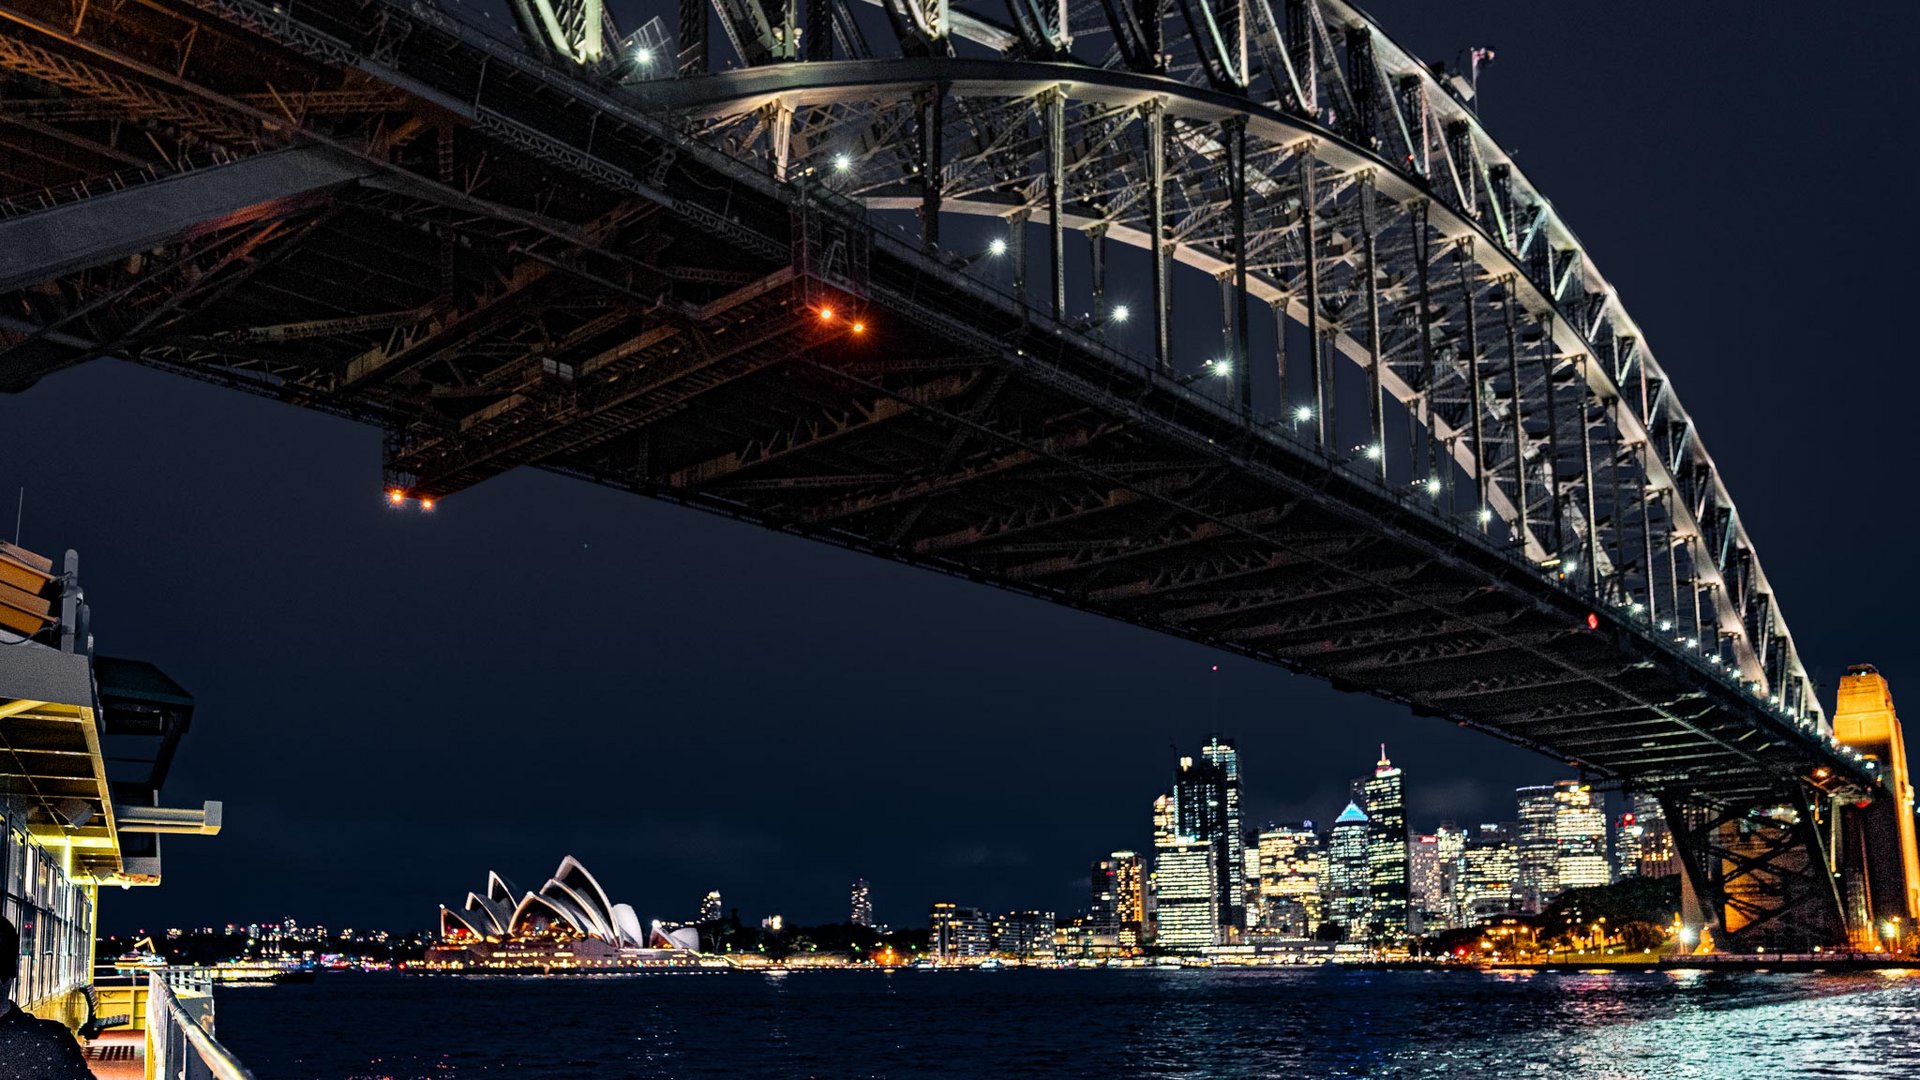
591	253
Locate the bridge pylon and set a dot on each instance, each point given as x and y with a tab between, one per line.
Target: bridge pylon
1874	844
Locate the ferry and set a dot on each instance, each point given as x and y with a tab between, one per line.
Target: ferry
79	827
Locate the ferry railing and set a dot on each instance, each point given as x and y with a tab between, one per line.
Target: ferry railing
180	1042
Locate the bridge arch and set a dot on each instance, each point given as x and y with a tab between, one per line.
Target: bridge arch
1605	482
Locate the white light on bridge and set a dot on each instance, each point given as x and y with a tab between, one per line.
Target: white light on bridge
1373	452
1433	485
1303	414
842	162
1485	515
1222	367
1120	313
997	247
643	55
1666	624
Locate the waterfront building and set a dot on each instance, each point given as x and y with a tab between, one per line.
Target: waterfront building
861	905
1489	881
1118	902
1534	846
959	933
1187	895
1388	869
1291	861
1025	935
710	910
566	923
1346	895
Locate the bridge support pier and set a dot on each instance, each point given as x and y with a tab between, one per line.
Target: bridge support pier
1756	875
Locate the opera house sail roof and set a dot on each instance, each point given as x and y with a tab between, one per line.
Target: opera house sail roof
571	905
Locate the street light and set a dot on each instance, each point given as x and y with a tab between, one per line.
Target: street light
1120	312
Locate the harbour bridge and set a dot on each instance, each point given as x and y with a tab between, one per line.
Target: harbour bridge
840	269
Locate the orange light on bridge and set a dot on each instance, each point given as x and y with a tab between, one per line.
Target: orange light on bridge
826	314
426	503
859	328
395	497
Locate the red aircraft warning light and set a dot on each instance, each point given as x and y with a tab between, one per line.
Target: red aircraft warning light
1593	621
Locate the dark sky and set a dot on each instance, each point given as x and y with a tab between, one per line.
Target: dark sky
392	704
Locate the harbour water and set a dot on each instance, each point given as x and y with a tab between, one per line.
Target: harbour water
1141	1023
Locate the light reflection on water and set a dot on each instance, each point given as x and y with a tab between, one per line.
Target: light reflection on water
1693	1025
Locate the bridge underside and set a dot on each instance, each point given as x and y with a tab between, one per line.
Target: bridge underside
684	328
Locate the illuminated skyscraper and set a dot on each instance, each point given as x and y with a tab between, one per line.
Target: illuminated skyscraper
1656	855
1387	855
1222	755
1489	875
1103	907
1580	838
1534	847
1187	893
1346	894
1165	826
1203	794
1129	898
710	910
1291	861
862	914
1434	868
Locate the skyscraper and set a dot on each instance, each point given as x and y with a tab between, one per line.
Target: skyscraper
1187	891
1387	854
1657	856
1103	905
710	907
1203	794
959	933
1222	755
1129	899
1580	837
1292	862
1165	824
1347	893
1534	847
1489	875
862	913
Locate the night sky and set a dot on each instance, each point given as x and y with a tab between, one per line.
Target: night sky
392	704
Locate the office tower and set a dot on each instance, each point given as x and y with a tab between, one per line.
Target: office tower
1187	894
1165	825
1206	803
1291	862
1657	856
1222	755
1347	893
1629	839
1250	885
1580	837
1535	847
1129	899
1489	875
959	933
1435	866
862	914
1387	854
1103	907
710	907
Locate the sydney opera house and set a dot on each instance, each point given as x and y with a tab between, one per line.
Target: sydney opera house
568	924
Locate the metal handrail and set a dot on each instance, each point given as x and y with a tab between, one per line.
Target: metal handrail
178	1046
